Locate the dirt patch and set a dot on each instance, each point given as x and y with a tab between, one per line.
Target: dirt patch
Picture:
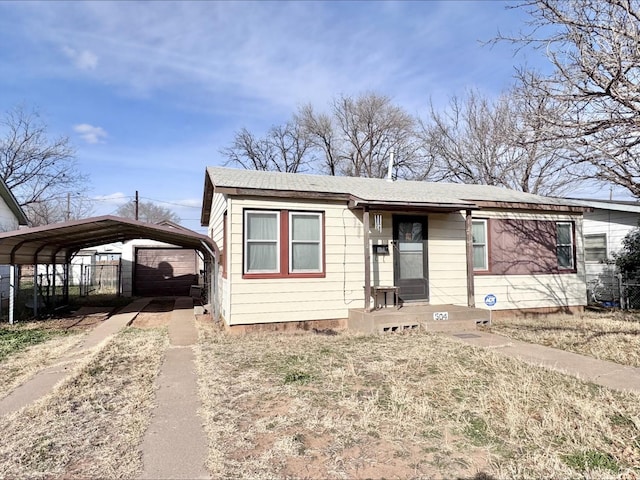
156	314
84	318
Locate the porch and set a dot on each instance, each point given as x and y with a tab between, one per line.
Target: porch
434	318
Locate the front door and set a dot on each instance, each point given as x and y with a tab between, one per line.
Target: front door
410	258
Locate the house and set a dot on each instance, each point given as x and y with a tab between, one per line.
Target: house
606	223
320	249
12	217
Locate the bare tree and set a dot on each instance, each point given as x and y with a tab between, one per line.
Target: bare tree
354	137
36	168
148	212
322	136
370	126
497	142
284	149
594	49
59	209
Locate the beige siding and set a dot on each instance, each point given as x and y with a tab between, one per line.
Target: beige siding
219	204
381	265
447	259
218	207
296	299
247	301
535	291
531	291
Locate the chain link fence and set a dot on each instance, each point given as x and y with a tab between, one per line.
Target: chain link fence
43	289
604	288
630	286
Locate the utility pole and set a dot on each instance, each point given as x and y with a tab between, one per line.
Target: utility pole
137	202
68	213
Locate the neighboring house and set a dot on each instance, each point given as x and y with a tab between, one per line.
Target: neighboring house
293	246
11	218
606	223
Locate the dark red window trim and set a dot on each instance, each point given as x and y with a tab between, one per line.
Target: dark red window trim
284	247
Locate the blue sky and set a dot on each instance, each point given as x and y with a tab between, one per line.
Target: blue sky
150	92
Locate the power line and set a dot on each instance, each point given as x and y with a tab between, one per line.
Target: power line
172	203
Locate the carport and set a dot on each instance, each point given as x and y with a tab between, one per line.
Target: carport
57	243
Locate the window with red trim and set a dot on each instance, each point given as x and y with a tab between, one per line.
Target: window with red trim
282	243
525	247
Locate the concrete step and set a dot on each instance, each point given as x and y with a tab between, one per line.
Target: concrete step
454	326
437	318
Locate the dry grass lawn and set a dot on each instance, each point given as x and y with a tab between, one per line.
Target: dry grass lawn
18	367
411	405
613	336
28	347
90	426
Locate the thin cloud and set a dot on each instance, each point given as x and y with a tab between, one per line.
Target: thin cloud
280	54
90	134
83	60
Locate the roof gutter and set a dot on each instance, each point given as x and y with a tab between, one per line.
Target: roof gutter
355	202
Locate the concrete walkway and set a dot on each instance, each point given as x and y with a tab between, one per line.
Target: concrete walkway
175	444
601	372
44	381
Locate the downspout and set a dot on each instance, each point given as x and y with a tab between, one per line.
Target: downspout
367	259
471	297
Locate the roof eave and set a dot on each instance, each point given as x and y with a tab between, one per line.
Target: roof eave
426	206
207	198
531	206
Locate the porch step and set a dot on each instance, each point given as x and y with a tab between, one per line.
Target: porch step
454	326
434	318
398	327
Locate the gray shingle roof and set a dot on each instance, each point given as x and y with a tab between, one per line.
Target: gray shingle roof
374	189
615	205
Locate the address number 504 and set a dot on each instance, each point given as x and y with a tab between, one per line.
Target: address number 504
441	316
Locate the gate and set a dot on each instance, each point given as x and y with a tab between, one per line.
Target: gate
100	278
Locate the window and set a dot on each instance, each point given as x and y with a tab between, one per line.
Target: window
283	244
595	248
564	245
108	257
305	242
480	250
261	242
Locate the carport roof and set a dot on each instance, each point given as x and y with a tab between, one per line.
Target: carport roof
55	243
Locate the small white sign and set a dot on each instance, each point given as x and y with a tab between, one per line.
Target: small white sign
490	300
441	316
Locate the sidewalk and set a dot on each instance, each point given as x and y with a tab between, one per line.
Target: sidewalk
175	445
601	372
43	382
